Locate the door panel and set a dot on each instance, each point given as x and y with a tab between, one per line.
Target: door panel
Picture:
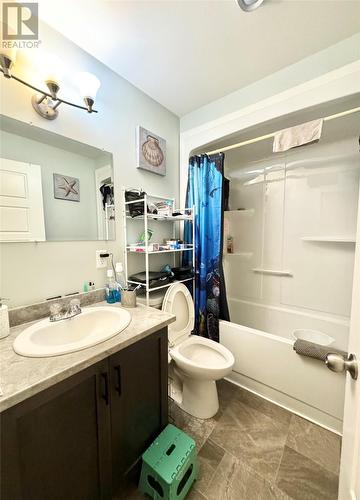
56	445
138	400
12	183
14	220
21	202
349	487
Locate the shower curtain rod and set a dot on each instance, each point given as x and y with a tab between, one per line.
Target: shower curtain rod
268	136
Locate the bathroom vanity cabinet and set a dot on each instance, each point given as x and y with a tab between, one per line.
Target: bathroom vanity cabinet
78	439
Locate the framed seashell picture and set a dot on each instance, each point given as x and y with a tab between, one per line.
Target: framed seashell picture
150	151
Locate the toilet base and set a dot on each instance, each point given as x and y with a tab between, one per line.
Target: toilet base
200	398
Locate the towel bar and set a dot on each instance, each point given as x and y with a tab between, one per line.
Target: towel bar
273	272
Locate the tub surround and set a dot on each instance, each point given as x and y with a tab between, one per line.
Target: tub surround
39	310
22	377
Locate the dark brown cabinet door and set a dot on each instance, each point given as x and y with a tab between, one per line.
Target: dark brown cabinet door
56	445
138	377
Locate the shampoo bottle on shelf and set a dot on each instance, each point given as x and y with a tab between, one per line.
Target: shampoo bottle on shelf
230	244
111	288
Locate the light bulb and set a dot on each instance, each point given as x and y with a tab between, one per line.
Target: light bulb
52	72
88	85
48	66
49	69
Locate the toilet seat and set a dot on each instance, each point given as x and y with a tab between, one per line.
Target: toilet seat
178	301
204	353
202	358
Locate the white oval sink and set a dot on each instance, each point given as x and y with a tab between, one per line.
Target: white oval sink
92	326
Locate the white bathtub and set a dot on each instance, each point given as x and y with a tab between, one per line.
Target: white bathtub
267	365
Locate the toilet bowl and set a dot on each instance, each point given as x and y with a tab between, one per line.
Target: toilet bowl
195	362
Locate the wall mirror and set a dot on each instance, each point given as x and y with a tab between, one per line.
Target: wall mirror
53	188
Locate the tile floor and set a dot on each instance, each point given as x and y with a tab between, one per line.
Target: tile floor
254	450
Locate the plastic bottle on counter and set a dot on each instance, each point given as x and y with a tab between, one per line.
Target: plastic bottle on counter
120	277
4	320
112	293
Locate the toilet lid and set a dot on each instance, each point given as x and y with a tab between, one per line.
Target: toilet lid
178	301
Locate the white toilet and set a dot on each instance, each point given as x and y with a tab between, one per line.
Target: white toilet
195	362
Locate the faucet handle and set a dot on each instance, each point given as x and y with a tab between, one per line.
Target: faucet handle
55	310
74	306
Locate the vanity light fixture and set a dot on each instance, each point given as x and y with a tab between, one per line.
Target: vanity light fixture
45	103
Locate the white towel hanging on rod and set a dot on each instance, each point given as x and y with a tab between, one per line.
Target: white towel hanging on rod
272	134
296	136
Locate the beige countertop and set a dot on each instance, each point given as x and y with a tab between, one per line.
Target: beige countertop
22	377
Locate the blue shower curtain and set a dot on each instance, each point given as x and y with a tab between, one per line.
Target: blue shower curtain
205	192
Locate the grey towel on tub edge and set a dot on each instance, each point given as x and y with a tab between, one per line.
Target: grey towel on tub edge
316	351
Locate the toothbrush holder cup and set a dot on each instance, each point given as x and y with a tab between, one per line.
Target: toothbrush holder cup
128	298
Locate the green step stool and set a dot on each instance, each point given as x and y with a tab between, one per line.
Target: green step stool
169	466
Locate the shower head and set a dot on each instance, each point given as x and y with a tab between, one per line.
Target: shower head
249	5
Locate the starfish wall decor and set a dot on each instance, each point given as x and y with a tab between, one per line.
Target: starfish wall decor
66	188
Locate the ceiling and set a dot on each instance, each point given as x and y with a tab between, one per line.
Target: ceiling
187	53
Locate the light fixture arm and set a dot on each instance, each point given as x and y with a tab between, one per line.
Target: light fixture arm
41	99
56	105
47	94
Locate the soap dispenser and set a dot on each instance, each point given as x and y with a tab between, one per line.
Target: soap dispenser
111	288
4	320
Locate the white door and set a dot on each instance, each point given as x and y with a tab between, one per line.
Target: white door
349	487
21	202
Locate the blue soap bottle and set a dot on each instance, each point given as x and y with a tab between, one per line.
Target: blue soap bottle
111	288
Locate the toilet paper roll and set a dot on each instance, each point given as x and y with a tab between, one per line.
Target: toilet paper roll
4	322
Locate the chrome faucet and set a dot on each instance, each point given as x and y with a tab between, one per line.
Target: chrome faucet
57	313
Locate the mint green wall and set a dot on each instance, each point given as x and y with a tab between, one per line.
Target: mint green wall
340	54
51	268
